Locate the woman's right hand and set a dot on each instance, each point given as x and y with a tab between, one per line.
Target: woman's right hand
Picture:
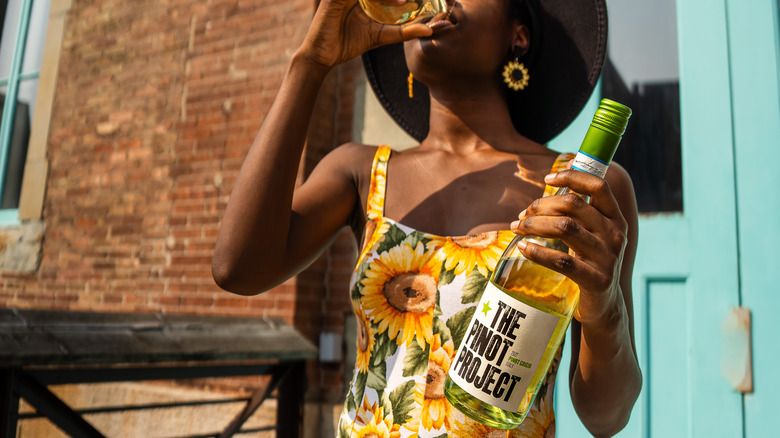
341	31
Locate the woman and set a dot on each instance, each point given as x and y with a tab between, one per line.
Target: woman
434	218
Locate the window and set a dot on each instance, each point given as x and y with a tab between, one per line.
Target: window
641	71
31	37
24	24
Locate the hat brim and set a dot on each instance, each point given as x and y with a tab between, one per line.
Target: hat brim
569	52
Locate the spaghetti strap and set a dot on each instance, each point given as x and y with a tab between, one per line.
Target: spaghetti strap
375	205
560	164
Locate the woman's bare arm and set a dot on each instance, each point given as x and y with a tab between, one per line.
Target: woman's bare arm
268	232
250	255
605	378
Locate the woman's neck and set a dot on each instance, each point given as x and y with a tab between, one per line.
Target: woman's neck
469	121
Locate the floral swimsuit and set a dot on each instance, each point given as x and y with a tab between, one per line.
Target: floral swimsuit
414	294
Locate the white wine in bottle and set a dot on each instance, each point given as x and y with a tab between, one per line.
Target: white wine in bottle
525	309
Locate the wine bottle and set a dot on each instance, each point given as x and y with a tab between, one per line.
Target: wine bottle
411	11
525	309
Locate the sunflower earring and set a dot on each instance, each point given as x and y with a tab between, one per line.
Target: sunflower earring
516	74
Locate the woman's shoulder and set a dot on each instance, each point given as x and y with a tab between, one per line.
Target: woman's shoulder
622	188
618	178
349	158
358	158
353	150
351	162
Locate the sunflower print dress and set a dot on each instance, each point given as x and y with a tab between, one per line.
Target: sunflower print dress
414	294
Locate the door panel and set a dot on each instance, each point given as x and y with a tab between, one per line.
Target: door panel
668	367
710	206
662	328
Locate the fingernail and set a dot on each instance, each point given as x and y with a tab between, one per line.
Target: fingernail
550	177
522	244
514	225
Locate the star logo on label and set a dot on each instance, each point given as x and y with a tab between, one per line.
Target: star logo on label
486	308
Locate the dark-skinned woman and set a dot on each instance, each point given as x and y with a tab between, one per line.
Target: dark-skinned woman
433	220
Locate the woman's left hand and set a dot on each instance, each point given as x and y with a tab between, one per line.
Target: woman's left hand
596	233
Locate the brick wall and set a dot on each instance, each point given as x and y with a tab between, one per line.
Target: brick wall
156	105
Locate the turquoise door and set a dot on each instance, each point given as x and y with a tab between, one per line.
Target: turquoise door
717	253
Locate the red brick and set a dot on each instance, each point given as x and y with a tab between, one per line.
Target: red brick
226	301
198	301
170	301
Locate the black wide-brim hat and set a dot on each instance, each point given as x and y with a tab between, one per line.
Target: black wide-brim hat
568	47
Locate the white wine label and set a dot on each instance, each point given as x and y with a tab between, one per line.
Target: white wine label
592	165
502	349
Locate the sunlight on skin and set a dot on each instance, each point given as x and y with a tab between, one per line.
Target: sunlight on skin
526	176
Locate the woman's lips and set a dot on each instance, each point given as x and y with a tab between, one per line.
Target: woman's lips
440	25
442	22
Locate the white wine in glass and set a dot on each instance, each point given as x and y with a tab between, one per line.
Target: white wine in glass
410	11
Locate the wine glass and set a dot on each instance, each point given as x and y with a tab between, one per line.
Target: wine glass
393	12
